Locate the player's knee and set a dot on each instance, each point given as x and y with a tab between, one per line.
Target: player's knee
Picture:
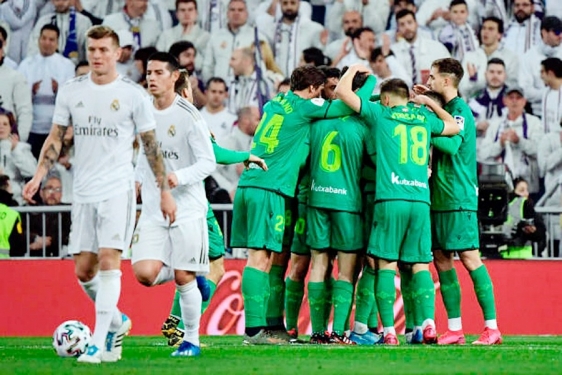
259	259
443	261
217	269
145	274
84	273
299	268
470	259
183	277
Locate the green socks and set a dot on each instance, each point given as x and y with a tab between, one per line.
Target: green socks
276	302
365	299
407	298
294	292
328	301
386	295
213	288
317	294
176	309
451	293
342	299
424	295
484	291
255	291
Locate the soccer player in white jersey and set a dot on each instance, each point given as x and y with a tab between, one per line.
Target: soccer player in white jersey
162	252
106	111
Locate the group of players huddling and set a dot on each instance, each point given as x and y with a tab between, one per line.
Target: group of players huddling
358	167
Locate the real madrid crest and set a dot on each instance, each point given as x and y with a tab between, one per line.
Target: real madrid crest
115	105
172	131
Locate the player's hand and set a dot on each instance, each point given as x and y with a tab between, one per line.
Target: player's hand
420	99
173	180
420	89
359	68
30	189
257	161
168	205
512	136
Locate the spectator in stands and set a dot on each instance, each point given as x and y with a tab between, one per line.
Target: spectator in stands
132	17
101	8
513	140
213	14
362	44
93	19
158	11
16	159
187	29
73	27
236	34
314	56
493	8
126	63
551	103
290	35
380	67
141	60
269	67
529	73
435	14
240	139
246	88
20	17
45	72
488	104
82	68
15	97
284	86
350	22
186	54
374	14
475	63
414	52
523	32
4	41
51	193
12	239
392	33
458	35
219	120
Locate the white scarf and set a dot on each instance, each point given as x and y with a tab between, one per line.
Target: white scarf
292	52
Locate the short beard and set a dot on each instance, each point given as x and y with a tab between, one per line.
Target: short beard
522	19
290	16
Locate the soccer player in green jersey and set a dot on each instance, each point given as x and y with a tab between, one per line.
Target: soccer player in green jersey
401	220
259	204
454	207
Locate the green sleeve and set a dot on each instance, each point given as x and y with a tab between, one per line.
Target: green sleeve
226	156
449	145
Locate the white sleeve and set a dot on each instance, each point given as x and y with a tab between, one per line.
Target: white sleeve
530	146
62	116
526	77
200	143
143	116
375	15
24	160
490	148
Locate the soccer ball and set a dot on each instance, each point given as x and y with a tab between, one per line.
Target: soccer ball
71	338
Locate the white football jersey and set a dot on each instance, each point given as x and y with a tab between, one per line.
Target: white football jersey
105	120
188	152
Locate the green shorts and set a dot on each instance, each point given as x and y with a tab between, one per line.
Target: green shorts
258	219
291	212
455	230
216	239
299	246
401	231
368	210
337	230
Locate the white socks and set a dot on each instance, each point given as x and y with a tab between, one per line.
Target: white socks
166	274
360	328
190	303
91	289
387	330
106	304
492	324
454	324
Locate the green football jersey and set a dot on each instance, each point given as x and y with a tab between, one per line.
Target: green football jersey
402	135
369	177
454	182
337	148
281	136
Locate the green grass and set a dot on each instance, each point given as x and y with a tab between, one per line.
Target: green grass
226	355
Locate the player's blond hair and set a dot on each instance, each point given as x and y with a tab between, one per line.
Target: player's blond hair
102	32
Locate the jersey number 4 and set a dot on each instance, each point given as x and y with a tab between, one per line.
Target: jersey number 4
268	135
413	146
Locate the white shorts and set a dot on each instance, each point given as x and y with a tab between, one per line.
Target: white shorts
182	247
107	224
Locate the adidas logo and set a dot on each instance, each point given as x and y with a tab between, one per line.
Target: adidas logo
79	105
192	261
116	238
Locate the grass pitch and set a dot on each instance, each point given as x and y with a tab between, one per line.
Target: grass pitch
227	355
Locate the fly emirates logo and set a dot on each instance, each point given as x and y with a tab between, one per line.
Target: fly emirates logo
396	180
327	189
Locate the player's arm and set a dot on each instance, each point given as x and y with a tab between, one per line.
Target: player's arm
450	125
448	145
226	157
344	89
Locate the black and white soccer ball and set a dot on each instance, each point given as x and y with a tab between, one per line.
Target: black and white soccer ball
71	338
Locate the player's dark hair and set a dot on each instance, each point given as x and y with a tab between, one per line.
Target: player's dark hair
305	76
451	67
496	61
217	80
497	21
397	87
4	33
378	52
359	78
171	62
458	2
438	98
142	55
81	64
315	57
357	33
4	182
285	82
403	13
330	72
11	119
178	2
178	47
51	27
554	65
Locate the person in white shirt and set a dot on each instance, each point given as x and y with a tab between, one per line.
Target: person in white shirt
162	251
551	74
415	53
106	111
361	45
219	120
513	140
126	63
158	12
15	96
20	17
554	8
72	25
523	32
374	15
102	8
529	70
290	35
133	18
350	22
392	31
435	14
45	72
187	29
4	39
458	36
475	63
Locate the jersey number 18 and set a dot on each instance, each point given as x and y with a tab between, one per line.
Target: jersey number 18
413	144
